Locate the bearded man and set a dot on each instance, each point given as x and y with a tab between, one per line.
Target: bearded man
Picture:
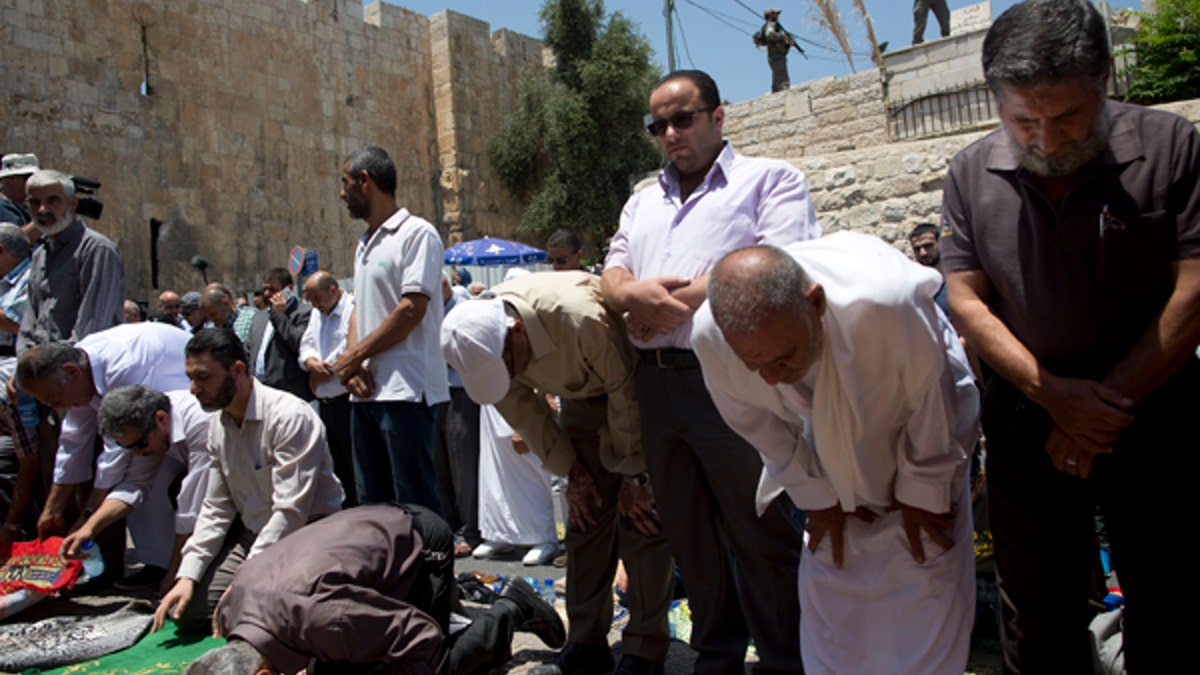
76	277
1086	211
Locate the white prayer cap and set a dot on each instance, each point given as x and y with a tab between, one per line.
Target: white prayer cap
473	336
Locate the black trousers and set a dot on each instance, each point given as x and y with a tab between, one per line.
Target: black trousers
335	414
740	570
1043	521
456	462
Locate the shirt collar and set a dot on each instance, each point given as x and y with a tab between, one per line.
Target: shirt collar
71	235
340	307
392	224
17	271
668	178
253	409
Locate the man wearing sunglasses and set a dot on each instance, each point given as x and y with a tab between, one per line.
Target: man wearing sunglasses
564	251
168	436
551	333
75	379
708	201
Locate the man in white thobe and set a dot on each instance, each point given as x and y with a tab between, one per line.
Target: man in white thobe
831	358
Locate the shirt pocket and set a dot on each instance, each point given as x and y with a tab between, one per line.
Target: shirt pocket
1135	252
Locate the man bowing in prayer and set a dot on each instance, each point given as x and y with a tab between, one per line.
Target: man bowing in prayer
831	358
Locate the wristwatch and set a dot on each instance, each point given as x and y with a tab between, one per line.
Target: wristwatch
640	480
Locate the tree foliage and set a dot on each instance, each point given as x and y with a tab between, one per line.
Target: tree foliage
1167	45
574	144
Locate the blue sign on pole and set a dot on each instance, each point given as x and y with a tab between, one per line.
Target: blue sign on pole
295	260
310	263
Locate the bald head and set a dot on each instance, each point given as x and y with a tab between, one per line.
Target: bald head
168	301
322	291
769	312
753	283
217	304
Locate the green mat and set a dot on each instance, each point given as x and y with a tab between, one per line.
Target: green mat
160	653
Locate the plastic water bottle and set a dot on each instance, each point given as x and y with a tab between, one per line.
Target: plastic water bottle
93	562
548	593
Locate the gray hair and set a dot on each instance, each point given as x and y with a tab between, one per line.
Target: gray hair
752	283
131	407
236	658
47	177
46	362
1039	42
378	165
13	239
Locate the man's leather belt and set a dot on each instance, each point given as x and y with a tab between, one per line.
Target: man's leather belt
670	358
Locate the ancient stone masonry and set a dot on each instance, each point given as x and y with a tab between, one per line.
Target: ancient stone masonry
248	109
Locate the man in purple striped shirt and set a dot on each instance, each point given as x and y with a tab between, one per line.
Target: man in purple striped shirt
708	201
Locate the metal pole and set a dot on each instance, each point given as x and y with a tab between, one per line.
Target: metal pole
668	7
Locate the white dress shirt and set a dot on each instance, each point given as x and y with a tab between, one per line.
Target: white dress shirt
148	353
325	339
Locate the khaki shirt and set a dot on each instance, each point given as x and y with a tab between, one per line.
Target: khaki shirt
580	350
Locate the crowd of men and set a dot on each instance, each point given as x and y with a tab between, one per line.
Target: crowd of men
787	418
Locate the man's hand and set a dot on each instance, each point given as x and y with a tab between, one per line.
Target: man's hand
72	544
361	385
832	521
51	523
582	497
937	525
519	445
635	503
177	598
652	309
348	365
1091	414
278	303
322	370
1068	456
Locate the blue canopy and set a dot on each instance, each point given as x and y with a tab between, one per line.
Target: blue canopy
488	251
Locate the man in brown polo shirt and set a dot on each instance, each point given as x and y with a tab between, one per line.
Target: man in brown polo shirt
1071	243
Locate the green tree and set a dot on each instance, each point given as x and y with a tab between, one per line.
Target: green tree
1167	48
575	143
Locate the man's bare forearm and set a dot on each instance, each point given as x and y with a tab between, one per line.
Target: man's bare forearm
395	328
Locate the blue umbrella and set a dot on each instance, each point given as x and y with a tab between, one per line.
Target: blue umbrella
487	251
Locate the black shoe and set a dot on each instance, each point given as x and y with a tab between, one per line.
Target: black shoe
636	665
577	659
471	588
537	616
149	576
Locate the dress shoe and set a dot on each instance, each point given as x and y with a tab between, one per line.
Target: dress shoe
537	616
577	659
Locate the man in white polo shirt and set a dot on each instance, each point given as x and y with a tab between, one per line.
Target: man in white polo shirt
393	364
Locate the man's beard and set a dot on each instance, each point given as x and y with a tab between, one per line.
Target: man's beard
59	225
359	208
1071	157
222	398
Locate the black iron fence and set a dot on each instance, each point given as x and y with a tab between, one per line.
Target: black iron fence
942	112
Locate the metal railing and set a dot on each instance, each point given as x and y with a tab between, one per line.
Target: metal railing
942	112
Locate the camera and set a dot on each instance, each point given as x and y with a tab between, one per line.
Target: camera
87	206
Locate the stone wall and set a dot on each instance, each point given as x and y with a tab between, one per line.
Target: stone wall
237	148
826	115
886	190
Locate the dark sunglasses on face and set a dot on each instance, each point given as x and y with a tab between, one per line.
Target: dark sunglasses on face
560	260
680	120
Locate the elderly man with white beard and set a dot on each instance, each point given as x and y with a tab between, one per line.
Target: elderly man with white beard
76	277
832	360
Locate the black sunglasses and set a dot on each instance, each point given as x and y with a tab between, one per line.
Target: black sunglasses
560	260
680	120
139	443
